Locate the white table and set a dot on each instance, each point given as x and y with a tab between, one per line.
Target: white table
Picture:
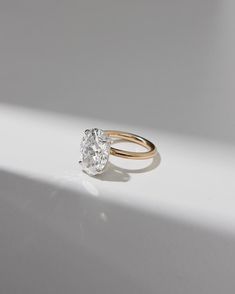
171	228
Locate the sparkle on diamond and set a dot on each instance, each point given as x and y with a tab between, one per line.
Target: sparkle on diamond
95	148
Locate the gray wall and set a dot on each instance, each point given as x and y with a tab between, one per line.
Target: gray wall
165	64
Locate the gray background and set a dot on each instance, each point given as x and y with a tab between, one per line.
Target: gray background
164	64
168	65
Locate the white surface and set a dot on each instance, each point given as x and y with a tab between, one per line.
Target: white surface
163	221
195	178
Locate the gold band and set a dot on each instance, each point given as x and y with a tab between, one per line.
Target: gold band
135	139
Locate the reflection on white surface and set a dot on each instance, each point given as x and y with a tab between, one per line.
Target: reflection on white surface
103	217
90	188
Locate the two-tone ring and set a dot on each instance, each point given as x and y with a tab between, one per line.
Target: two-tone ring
96	148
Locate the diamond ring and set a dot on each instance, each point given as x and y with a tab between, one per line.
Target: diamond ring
96	148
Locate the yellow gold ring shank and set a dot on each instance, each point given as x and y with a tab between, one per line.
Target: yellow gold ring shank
135	139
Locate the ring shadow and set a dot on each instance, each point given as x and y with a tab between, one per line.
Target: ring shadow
116	173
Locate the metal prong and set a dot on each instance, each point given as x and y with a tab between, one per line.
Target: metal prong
111	141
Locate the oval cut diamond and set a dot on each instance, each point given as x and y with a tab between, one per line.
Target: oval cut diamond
95	148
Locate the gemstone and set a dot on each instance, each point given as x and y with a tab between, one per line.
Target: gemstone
95	149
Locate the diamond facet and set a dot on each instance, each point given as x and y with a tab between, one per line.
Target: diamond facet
95	148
